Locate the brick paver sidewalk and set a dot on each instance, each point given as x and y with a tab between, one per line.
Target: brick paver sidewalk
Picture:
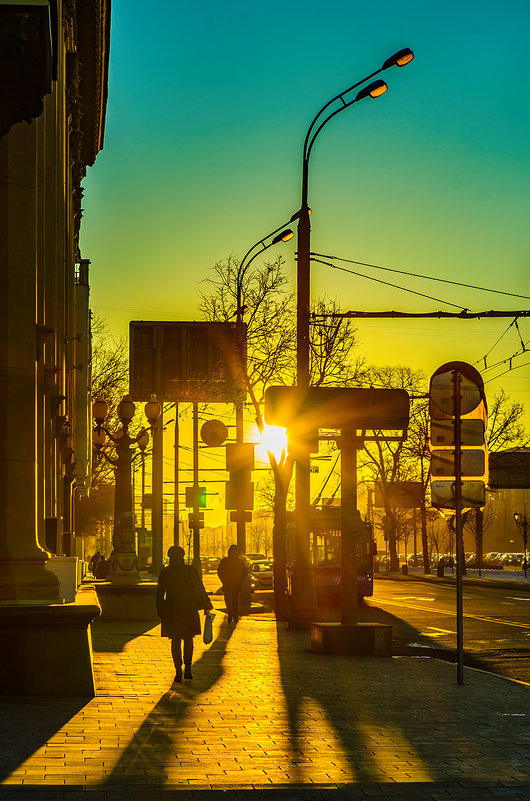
263	716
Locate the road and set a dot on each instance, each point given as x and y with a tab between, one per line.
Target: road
496	623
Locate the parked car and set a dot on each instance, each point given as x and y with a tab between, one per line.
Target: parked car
256	557
513	559
261	575
415	561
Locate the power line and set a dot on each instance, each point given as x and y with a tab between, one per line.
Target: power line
418	275
387	283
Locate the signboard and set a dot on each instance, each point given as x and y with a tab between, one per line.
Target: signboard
187	361
402	494
509	470
337	407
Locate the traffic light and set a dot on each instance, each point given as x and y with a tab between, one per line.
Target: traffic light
458	414
239	493
196	520
196	497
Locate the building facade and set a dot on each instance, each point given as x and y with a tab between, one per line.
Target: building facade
54	58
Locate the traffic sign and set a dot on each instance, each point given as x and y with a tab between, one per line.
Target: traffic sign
443	494
443	463
214	433
441	392
471	433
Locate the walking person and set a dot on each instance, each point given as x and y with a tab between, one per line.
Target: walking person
232	571
179	596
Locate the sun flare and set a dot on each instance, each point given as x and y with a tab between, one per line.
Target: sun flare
274	440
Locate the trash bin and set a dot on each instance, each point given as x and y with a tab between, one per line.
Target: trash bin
440	570
405	570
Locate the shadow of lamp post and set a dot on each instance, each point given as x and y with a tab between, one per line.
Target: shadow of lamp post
303	599
123	568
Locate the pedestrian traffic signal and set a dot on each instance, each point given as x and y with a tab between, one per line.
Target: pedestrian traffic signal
196	497
196	520
458	415
239	494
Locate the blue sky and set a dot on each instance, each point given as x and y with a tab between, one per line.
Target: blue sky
208	108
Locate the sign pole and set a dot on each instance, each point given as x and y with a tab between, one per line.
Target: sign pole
458	527
195	527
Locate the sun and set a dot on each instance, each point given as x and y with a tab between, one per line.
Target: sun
274	440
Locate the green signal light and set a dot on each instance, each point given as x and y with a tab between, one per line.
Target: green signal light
201	497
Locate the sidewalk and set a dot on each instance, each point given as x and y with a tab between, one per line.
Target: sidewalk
264	717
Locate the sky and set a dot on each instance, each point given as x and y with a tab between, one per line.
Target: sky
209	104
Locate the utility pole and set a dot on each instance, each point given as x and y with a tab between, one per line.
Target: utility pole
157	488
176	509
195	527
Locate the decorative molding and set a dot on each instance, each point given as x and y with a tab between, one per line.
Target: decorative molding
25	63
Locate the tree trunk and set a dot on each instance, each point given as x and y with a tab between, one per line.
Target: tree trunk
279	549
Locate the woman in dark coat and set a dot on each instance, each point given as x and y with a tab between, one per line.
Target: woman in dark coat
179	596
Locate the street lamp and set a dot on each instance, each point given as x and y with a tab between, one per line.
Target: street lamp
303	594
521	521
123	559
281	234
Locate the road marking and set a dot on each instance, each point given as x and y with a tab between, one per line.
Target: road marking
452	613
515	598
436	632
414	598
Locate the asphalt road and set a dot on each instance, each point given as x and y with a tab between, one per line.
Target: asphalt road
496	623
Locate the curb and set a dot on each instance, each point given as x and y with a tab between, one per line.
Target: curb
450	581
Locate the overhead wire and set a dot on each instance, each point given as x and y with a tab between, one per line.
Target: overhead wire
418	275
387	283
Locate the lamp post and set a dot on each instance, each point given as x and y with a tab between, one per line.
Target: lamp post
281	234
123	559
303	599
521	521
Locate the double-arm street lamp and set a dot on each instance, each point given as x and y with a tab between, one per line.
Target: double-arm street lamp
123	559
303	601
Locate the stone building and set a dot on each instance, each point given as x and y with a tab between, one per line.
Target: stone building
54	58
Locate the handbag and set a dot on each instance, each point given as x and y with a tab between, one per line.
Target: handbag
207	635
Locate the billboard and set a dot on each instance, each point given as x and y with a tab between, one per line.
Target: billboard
187	361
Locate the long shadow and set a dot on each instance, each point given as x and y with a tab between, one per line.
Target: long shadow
358	701
151	747
113	635
40	718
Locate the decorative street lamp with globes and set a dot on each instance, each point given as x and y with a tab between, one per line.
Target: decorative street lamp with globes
123	559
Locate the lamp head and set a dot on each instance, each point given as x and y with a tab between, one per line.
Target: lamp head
399	59
143	440
98	438
126	409
516	517
283	236
152	410
100	410
374	89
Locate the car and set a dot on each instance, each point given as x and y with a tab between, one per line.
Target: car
261	575
255	557
513	559
415	561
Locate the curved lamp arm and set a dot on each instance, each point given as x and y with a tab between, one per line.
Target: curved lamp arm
376	89
399	59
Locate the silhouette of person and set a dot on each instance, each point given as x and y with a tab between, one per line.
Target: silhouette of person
102	568
93	562
179	595
232	571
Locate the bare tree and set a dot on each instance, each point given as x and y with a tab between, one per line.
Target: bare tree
384	459
505	423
